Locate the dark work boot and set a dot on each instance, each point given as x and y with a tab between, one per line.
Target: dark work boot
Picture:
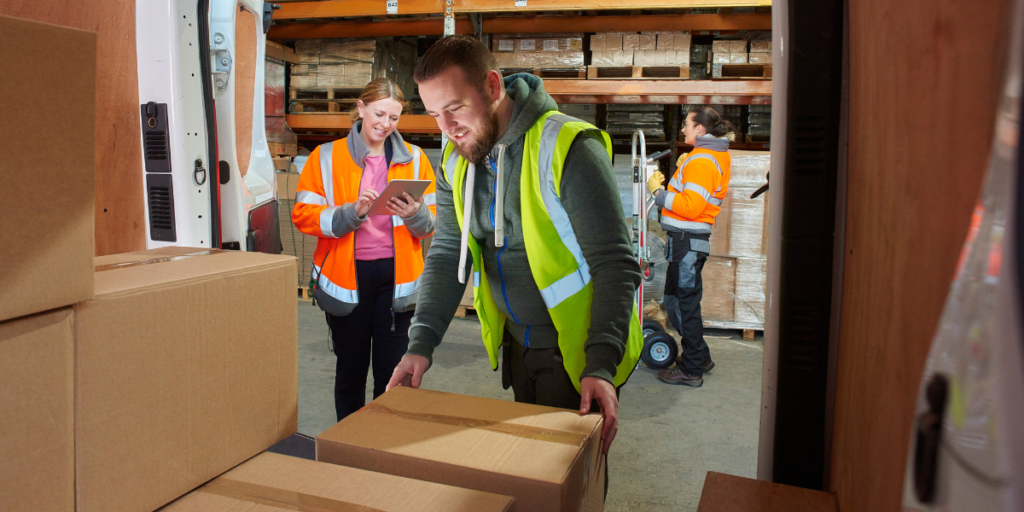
676	375
705	367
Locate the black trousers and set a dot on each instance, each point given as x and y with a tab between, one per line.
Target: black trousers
687	254
372	332
537	376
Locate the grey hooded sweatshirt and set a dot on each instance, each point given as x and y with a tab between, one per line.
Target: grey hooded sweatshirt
590	198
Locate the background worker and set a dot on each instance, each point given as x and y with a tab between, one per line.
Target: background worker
366	268
689	207
526	200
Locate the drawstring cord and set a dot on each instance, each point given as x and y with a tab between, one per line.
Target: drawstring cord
466	211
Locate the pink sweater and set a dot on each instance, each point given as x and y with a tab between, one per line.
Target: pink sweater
374	239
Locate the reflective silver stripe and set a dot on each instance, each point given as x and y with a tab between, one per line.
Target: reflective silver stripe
476	279
406	289
715	201
342	294
703	156
569	285
676	184
686	225
397	221
669	198
307	197
327	171
327	221
415	162
429	199
449	166
703	192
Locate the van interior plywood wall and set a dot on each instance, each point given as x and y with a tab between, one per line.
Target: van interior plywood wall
924	82
245	77
120	214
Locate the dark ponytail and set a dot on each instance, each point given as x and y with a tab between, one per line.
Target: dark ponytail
713	122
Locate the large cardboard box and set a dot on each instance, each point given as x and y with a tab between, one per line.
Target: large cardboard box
37	438
185	366
548	459
278	482
47	196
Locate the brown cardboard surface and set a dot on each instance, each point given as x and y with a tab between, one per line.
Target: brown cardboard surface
37	447
277	482
548	459
47	196
718	302
186	365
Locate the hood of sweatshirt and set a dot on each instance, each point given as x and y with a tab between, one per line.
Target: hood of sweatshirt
359	151
712	143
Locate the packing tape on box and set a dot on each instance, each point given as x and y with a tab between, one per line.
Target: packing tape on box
279	498
523	431
128	264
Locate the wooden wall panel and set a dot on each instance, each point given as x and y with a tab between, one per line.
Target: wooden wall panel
119	192
924	80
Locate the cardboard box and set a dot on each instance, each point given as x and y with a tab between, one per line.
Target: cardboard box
547	459
631	42
720	58
503	45
613	42
185	366
760	58
738	58
666	41
47	199
598	42
278	482
761	46
611	58
647	42
682	41
37	437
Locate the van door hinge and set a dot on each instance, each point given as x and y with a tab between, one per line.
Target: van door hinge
221	56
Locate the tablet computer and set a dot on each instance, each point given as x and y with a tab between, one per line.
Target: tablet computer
395	188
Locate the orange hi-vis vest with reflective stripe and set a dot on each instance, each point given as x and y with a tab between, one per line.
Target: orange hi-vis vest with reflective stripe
329	180
696	191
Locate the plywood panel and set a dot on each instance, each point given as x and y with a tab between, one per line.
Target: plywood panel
245	82
119	191
923	88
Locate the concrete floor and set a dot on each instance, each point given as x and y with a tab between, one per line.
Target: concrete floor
669	436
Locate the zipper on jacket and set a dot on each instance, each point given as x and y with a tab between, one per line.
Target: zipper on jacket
501	274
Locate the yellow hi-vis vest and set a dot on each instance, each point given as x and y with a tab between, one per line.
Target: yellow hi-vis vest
557	262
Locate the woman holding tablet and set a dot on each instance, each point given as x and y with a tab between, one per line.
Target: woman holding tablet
366	268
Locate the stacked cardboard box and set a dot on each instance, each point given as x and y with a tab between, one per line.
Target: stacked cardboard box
735	272
46	253
759	123
727	52
294	242
351	63
624	119
761	51
548	459
610	49
559	50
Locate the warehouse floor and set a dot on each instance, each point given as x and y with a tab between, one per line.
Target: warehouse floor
669	436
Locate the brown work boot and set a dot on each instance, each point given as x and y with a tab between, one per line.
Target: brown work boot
705	367
677	375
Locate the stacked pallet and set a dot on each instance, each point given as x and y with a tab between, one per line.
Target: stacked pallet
558	55
759	123
731	59
640	54
735	272
294	242
624	119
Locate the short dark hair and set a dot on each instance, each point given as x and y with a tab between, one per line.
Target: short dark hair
460	50
712	121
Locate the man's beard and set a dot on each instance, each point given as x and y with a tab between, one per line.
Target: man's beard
485	142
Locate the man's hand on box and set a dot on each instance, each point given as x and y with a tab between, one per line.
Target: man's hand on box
596	388
409	371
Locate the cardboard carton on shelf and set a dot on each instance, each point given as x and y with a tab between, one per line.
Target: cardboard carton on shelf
272	482
760	58
548	459
37	437
47	199
185	366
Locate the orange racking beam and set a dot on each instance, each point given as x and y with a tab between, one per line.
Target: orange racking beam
406	124
357	8
649	87
526	25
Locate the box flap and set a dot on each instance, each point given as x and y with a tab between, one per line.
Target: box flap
528	441
279	482
175	265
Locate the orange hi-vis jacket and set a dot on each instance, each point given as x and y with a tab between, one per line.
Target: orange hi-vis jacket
327	189
696	191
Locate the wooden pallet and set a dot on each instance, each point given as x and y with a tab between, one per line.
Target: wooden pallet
573	73
465	312
638	72
745	72
321	100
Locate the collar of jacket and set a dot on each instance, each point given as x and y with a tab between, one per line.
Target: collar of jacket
711	142
359	151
